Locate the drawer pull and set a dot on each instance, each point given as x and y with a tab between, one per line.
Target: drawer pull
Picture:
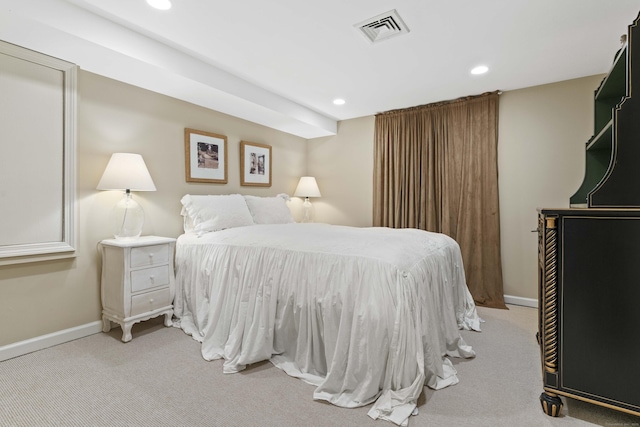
152	278
150	300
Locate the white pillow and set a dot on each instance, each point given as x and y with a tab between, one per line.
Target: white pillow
269	210
187	222
213	213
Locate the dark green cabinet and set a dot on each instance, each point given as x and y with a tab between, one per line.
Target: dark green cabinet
589	258
589	288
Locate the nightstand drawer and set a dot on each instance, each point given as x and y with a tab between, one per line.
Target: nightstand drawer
149	278
150	301
149	255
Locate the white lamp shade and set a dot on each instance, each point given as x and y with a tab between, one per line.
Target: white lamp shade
126	171
307	187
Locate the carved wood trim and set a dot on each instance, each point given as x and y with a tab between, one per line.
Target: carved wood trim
550	297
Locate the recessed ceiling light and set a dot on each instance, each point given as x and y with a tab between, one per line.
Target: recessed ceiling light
339	101
160	4
480	69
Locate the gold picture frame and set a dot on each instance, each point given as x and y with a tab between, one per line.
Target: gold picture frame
205	156
255	164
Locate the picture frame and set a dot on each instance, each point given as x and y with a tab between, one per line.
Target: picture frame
255	164
205	155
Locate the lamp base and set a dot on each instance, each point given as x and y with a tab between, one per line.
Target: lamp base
308	211
127	218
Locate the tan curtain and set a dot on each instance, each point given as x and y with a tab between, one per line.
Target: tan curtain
436	168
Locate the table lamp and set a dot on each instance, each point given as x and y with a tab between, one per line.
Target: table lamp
307	187
128	172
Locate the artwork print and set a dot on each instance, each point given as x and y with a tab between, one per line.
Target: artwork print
205	157
255	164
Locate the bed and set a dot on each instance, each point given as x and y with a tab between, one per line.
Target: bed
366	315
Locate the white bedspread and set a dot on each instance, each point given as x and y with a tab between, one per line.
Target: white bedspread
365	314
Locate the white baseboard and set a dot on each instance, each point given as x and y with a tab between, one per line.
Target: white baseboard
38	343
527	302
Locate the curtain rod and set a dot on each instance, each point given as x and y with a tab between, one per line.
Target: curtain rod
441	103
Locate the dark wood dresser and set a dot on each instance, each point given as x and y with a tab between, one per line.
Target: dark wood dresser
589	258
589	322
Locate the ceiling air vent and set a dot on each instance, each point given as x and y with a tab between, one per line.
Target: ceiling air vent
383	26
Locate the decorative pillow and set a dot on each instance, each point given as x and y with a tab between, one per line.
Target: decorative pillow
269	210
213	213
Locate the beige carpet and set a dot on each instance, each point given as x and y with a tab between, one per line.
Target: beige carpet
160	379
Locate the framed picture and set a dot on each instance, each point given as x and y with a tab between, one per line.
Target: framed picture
205	156
255	164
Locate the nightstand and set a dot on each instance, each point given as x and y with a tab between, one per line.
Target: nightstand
138	281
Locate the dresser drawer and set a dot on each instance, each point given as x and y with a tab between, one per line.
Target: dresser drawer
149	255
149	278
150	301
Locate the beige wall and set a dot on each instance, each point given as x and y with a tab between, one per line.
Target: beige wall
343	167
542	135
44	297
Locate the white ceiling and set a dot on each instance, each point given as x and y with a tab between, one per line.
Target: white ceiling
282	62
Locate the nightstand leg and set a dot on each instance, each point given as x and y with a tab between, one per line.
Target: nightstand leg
167	319
106	324
126	331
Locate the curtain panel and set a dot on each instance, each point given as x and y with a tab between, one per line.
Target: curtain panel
436	168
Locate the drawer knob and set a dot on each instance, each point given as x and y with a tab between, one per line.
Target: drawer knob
151	255
152	278
150	300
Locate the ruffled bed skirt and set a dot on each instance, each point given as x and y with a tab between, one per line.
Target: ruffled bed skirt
367	315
